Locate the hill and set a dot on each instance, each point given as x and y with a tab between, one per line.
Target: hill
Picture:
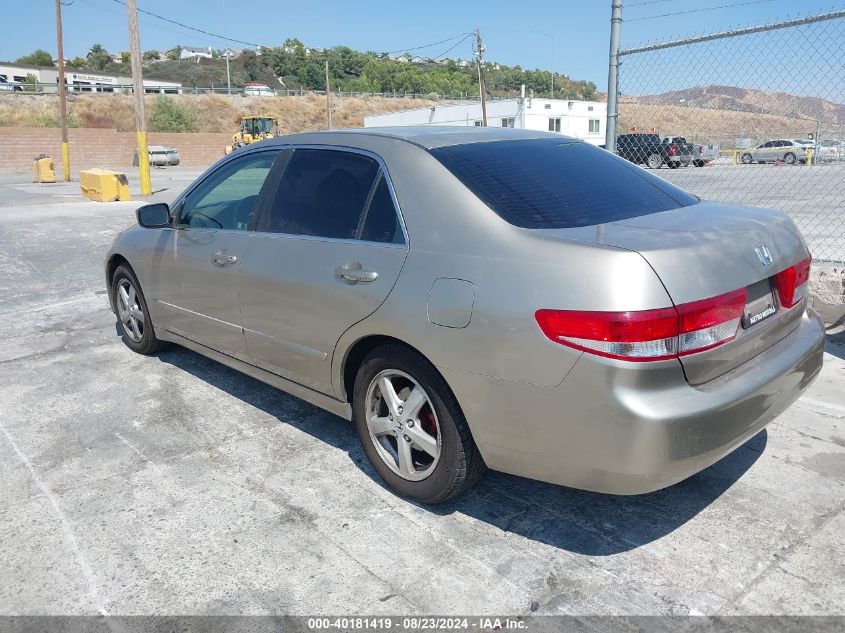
733	99
195	113
294	65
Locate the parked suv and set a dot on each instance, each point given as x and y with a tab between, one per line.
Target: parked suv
650	150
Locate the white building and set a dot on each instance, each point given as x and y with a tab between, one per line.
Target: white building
81	80
581	119
192	52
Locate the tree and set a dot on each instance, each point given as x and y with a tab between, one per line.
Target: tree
125	57
77	62
98	57
150	56
39	57
169	116
253	65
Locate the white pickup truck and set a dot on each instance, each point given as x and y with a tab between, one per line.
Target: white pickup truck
703	154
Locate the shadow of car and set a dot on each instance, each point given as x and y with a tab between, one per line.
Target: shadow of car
574	520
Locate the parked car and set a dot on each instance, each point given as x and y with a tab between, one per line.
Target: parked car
482	297
7	86
650	150
786	150
828	150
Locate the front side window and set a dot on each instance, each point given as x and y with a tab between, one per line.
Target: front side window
334	194
595	126
227	198
554	124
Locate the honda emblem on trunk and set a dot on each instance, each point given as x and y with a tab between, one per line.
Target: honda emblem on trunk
763	253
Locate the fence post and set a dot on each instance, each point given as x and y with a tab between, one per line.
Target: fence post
613	78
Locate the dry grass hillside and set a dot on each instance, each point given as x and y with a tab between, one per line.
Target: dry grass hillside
709	125
829	113
211	113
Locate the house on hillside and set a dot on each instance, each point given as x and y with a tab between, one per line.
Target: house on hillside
581	119
192	52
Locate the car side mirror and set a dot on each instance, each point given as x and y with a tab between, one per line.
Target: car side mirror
153	216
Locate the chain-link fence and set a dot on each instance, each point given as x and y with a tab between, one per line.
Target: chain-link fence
757	113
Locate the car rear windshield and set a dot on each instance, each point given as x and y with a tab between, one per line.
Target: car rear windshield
543	183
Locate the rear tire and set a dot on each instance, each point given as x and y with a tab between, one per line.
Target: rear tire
746	159
441	459
789	158
654	161
133	316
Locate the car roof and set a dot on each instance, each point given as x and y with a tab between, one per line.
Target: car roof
426	136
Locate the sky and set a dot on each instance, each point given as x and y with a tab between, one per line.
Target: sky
578	30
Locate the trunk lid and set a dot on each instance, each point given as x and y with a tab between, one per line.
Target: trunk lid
709	249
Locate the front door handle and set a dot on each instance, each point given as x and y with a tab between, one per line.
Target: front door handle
223	259
354	273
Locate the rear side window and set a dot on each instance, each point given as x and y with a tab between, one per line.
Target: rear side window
543	183
333	194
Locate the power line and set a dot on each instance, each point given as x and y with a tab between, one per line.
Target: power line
642	4
449	50
416	48
724	6
191	28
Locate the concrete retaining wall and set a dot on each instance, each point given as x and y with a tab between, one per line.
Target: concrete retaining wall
106	148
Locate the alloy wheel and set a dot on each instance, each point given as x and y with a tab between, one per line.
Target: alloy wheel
129	310
403	425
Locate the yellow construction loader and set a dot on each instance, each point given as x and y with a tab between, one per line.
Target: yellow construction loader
252	130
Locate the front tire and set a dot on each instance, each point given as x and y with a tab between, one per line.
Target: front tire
746	159
133	316
789	158
412	428
654	161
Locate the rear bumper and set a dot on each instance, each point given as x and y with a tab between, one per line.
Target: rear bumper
680	160
632	428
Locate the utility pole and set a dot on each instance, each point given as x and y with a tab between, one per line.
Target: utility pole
62	100
138	93
479	52
328	97
613	77
227	54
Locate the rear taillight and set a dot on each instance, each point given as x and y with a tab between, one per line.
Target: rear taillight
647	335
673	150
792	284
708	323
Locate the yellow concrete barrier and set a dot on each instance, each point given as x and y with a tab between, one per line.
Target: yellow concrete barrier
103	185
43	170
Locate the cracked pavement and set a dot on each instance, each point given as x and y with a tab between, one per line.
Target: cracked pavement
173	485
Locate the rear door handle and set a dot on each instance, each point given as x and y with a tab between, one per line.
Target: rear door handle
223	259
353	273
